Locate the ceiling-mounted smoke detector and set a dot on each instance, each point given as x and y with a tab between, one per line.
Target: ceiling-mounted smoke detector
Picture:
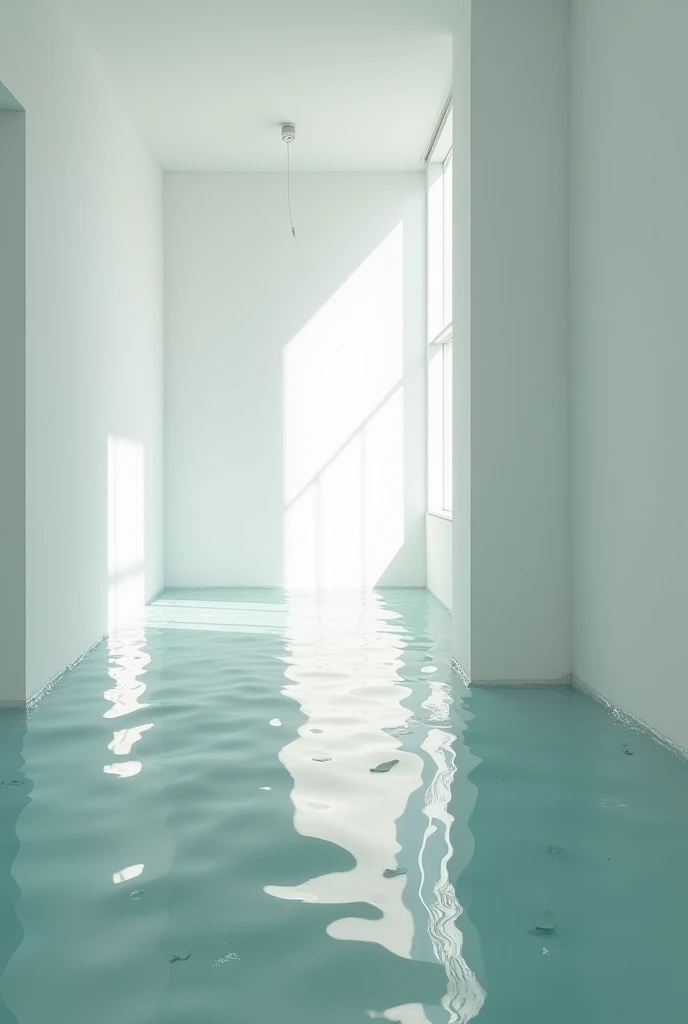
288	133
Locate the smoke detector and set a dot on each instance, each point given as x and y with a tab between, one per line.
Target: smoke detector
288	133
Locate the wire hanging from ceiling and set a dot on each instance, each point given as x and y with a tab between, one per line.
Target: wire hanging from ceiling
288	136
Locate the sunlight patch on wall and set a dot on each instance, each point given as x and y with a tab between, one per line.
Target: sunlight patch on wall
344	430
126	531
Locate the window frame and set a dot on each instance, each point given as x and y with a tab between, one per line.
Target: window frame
440	342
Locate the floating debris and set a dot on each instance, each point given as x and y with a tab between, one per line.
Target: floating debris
626	749
136	894
545	951
393	872
183	954
545	928
11	783
386	766
554	851
609	802
228	958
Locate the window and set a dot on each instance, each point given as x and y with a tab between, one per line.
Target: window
439	257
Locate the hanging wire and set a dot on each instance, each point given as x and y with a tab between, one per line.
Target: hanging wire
291	219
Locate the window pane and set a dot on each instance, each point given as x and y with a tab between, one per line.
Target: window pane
435	244
447	427
436	429
447	232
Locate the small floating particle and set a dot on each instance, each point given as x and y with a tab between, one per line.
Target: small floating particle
136	894
322	758
276	722
545	951
393	872
626	749
183	954
226	959
545	928
554	851
613	803
266	789
11	783
386	766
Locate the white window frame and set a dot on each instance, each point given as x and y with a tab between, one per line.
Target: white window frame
440	347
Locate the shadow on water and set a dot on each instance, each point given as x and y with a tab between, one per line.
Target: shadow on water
15	789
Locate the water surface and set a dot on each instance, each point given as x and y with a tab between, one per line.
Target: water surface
200	787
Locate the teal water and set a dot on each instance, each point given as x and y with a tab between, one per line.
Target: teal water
202	785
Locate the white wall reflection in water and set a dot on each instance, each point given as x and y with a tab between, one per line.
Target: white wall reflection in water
128	660
342	672
464	996
124	739
126	874
343	669
123	769
211	613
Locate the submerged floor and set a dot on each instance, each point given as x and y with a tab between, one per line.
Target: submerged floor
202	786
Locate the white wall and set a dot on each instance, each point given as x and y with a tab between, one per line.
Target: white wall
12	404
295	380
438	539
511	444
629	358
93	336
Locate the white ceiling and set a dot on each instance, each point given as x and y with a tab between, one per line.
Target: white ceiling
209	81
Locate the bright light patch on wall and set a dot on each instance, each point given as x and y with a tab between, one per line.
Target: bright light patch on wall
126	536
344	430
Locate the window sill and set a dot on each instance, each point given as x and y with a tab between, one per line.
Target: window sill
440	515
443	337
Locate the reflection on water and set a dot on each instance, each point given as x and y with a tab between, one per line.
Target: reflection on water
219	801
128	660
464	996
345	660
342	673
204	783
15	788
